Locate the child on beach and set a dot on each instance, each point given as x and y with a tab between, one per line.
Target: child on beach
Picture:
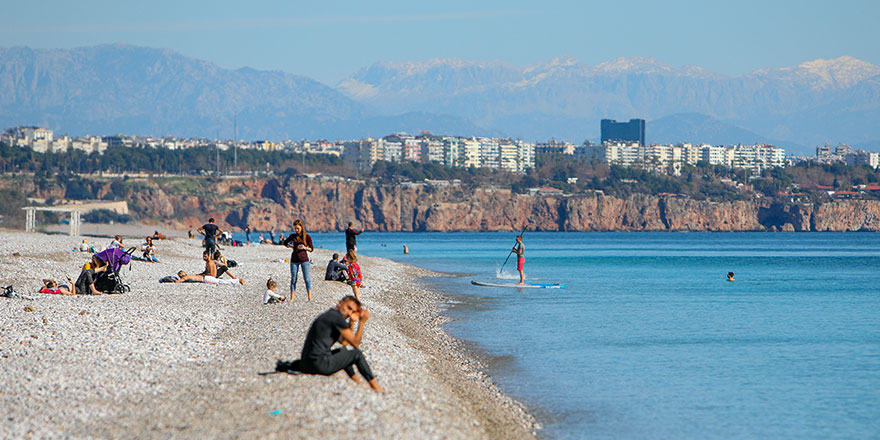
270	297
354	273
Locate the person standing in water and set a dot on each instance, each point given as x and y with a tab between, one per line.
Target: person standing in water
520	249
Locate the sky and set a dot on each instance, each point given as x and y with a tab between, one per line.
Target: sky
330	41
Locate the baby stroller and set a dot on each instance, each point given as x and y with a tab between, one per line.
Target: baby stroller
109	281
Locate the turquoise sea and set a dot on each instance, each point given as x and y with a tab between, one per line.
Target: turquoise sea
650	341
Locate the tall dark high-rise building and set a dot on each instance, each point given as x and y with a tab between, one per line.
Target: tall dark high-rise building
632	131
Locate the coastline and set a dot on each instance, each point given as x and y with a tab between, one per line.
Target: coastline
182	360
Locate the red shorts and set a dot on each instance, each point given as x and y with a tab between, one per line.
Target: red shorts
519	262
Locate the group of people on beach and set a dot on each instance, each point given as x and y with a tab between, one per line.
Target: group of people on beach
100	274
334	325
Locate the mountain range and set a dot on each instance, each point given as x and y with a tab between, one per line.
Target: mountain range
112	89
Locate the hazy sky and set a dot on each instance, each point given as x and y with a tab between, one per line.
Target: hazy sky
329	41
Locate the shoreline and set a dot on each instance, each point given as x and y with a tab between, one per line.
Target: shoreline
182	360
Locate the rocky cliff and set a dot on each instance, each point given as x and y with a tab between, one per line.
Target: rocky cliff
328	205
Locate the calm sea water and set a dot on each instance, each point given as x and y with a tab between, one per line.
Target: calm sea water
649	339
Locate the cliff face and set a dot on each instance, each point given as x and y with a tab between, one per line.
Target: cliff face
328	205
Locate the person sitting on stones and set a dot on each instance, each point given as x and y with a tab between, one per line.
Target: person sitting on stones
85	283
222	265
336	271
335	325
149	251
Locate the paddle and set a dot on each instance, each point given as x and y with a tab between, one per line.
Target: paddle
511	251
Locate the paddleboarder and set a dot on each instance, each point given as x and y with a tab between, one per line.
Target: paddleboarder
520	249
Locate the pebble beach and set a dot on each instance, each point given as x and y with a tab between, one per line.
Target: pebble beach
183	360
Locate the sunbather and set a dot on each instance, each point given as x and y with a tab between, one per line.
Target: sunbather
207	279
51	287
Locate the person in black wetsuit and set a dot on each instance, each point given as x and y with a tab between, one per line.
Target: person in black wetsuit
328	328
351	237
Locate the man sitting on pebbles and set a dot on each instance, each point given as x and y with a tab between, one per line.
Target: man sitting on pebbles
328	328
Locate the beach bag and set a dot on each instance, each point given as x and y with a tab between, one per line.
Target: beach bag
231	263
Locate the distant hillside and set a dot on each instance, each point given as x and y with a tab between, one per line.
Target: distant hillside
814	102
697	128
126	89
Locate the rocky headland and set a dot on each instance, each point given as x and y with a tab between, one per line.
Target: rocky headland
329	203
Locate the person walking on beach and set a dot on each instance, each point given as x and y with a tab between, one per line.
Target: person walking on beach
301	244
247	235
328	328
520	249
210	231
351	237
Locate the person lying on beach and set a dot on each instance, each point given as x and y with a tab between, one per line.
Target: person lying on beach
182	277
51	287
331	327
158	236
270	297
336	271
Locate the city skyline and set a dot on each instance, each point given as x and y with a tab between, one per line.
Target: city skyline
331	42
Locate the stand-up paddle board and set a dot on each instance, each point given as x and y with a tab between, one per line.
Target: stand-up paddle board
518	286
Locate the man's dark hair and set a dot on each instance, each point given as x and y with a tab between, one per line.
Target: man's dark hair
351	298
211	220
335	256
350	224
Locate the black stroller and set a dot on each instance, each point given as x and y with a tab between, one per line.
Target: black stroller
110	281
